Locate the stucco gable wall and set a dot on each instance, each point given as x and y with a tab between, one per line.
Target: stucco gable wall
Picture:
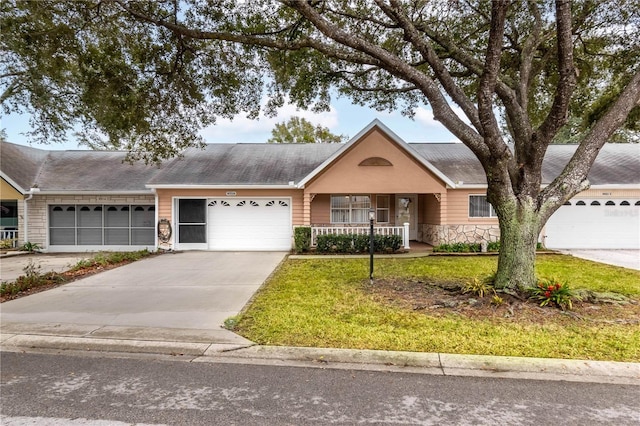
8	192
405	175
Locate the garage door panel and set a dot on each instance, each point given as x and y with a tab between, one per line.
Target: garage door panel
595	226
249	224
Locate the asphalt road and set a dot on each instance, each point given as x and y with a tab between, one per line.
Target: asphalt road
55	389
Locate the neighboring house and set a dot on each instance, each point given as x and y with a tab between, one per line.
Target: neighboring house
252	196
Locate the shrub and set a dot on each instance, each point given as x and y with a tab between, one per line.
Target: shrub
32	278
493	246
302	238
477	286
30	247
7	243
550	290
354	243
457	248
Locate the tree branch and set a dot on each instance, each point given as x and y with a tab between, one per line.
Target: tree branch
428	53
396	67
573	178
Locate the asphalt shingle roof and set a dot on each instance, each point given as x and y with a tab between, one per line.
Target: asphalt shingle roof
616	163
21	163
265	164
245	164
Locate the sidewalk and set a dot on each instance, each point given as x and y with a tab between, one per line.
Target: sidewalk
191	346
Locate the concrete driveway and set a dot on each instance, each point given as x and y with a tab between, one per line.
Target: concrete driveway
11	267
172	297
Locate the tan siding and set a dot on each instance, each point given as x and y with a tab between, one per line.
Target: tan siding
458	208
430	208
321	209
166	196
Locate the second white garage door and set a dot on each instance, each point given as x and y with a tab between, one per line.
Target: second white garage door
249	224
595	224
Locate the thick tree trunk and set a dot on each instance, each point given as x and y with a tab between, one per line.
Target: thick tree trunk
519	230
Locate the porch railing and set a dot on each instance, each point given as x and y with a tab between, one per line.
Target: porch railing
402	231
9	234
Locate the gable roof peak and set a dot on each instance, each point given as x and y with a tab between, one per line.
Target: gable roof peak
376	123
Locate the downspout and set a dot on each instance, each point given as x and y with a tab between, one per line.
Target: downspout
31	192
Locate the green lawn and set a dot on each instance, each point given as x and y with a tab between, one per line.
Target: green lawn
321	303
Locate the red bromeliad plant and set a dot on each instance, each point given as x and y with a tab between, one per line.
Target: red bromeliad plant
552	291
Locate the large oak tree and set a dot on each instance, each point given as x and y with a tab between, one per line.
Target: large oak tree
146	75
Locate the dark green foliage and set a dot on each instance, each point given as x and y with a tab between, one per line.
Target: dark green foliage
457	248
354	243
493	246
300	130
302	238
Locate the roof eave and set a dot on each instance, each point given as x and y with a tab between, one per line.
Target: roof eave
222	186
92	192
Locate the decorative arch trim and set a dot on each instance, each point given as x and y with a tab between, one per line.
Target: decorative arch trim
375	161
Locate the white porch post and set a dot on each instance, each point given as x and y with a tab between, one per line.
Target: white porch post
405	235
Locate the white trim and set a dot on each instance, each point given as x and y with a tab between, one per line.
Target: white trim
384	129
491	209
176	226
225	186
616	186
82	249
84	193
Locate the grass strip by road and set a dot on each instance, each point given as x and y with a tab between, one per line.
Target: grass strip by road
323	303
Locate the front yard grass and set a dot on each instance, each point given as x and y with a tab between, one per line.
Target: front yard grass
329	303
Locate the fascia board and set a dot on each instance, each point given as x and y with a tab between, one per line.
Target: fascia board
223	186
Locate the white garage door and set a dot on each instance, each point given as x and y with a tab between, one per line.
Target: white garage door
250	224
595	224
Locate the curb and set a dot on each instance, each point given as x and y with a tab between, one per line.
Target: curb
606	372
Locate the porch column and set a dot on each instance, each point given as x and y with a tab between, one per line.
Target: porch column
306	208
405	235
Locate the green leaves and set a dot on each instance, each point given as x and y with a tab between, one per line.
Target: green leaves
300	130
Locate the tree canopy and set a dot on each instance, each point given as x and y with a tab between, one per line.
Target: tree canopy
146	75
301	130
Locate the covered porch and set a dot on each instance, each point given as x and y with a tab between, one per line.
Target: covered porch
394	214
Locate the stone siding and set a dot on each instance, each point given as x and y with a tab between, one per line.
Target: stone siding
447	234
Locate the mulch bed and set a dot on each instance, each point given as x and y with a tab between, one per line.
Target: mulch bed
438	298
57	279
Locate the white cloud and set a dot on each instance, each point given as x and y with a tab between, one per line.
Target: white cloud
425	116
242	129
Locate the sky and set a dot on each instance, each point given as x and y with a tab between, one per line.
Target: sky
344	118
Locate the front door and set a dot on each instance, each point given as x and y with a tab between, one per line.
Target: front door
407	211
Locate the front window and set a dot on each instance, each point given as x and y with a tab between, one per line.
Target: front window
350	208
480	207
9	214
